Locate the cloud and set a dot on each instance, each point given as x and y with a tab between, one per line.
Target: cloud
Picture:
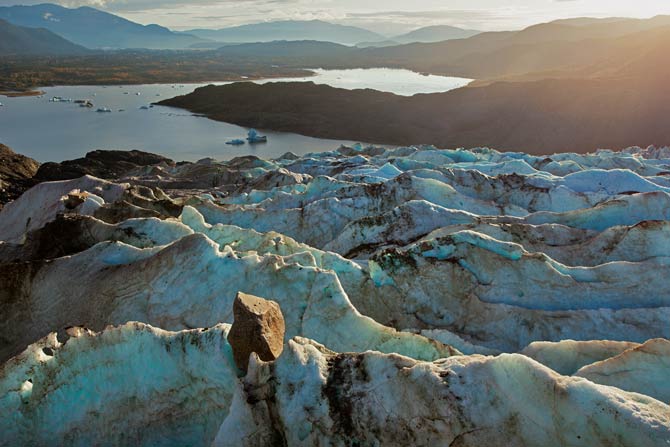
144	5
380	15
485	19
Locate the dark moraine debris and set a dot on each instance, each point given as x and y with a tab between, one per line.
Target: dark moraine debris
101	164
16	172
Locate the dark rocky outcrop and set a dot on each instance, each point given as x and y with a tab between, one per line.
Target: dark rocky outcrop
16	172
147	170
101	164
258	327
539	116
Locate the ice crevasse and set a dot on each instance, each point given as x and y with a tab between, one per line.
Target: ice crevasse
431	297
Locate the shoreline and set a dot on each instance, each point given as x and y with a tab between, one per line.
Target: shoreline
37	89
295	76
19	94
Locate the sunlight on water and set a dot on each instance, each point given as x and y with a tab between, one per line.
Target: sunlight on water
400	82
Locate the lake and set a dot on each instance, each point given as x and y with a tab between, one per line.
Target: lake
400	82
55	131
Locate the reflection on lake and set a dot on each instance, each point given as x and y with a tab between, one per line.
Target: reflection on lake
400	82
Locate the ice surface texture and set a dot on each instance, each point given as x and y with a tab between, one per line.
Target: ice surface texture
431	297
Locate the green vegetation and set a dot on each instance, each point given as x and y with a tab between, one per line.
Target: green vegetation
132	67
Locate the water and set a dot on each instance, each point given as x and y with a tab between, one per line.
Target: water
49	131
400	82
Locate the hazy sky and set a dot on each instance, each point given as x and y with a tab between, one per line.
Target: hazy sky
381	15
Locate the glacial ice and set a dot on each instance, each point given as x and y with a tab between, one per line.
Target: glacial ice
431	297
568	356
642	369
150	285
463	400
131	385
138	385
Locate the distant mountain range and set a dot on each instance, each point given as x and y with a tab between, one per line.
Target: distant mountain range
95	29
317	30
546	50
290	30
428	34
92	28
436	33
549	47
18	40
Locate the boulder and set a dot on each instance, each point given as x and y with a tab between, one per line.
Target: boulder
75	198
258	327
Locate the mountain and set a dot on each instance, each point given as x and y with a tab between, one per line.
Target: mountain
95	29
290	30
18	40
549	49
436	33
554	46
548	88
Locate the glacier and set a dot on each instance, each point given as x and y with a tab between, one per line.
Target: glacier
431	297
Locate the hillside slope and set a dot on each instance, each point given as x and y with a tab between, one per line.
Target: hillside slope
536	116
437	33
548	46
18	40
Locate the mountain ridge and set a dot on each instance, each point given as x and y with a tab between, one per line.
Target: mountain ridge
435	33
289	30
94	28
